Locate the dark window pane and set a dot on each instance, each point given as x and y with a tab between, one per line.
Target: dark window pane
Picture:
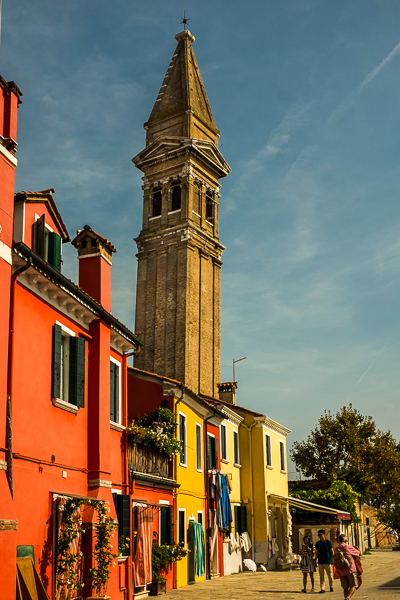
176	196
157	203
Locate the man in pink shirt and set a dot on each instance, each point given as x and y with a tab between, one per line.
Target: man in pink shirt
348	576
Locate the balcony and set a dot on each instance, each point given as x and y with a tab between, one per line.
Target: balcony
143	458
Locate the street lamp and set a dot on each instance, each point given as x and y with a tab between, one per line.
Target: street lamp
233	365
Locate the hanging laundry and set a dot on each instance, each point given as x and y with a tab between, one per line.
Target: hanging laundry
233	543
246	541
198	536
226	509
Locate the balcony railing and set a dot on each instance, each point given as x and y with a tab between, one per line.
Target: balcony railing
143	458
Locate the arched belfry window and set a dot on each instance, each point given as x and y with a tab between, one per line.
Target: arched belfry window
176	196
209	208
156	203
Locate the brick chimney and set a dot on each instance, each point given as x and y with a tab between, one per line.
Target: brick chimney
94	255
227	391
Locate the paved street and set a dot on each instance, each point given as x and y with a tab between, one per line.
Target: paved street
381	580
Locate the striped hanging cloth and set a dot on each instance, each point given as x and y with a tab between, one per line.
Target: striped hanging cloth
199	547
144	540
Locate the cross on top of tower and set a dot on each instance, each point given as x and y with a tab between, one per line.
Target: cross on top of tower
184	20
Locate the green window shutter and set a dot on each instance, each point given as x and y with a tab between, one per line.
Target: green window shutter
39	236
215	454
112	391
116	393
57	349
243	518
122	508
240	519
166	525
181	526
208	452
54	250
76	391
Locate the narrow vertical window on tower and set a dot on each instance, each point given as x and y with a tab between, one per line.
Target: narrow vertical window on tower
156	203
196	200
176	196
209	208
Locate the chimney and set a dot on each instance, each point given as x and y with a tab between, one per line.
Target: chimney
227	391
94	255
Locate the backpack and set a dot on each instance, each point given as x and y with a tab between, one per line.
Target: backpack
339	560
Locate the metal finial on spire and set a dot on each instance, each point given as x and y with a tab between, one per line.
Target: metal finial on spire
184	20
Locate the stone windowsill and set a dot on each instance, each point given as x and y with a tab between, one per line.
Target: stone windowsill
65	405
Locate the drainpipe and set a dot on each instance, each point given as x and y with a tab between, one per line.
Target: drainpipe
253	528
175	493
9	376
125	357
206	489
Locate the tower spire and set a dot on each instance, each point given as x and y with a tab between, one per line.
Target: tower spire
179	252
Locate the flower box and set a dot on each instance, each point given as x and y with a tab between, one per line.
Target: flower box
156	588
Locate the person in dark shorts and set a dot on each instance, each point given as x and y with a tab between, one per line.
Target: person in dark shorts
348	576
324	554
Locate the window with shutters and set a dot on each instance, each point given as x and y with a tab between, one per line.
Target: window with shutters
115	391
47	243
268	455
240	519
182	438
198	448
212	452
236	455
68	382
224	453
165	534
282	455
123	510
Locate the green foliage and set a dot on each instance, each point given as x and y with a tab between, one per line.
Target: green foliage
339	495
103	554
124	544
158	430
163	556
391	517
68	586
349	446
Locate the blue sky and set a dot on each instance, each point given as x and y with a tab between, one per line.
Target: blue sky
306	94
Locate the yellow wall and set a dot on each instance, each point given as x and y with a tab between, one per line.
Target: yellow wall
191	493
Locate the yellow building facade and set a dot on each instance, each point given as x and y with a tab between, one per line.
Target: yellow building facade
190	472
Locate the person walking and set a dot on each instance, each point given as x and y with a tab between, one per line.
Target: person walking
307	562
324	555
348	574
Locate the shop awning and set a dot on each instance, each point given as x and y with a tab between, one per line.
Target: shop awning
304	505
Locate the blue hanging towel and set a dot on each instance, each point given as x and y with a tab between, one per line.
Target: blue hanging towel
225	502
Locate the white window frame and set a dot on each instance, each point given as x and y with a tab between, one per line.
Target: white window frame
183	464
113	425
223	427
182	510
282	445
199	469
236	464
268	464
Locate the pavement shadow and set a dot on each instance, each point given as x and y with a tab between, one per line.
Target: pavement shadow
394	583
280	591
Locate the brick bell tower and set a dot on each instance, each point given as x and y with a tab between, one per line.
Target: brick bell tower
179	252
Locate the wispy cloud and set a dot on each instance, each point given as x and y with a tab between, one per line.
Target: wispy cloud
339	112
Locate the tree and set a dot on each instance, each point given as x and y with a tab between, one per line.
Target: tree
349	446
391	517
339	495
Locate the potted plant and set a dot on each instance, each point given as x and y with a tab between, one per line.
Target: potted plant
124	544
162	558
